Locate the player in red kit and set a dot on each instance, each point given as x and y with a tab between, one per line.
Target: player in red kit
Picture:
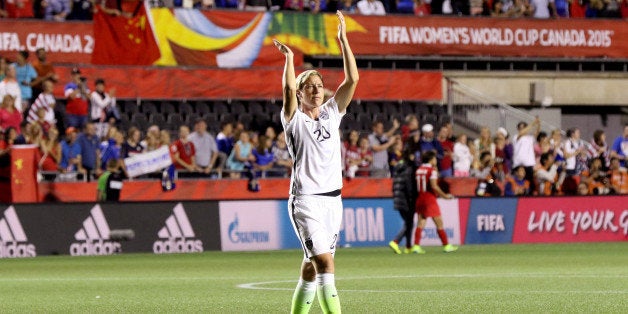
426	205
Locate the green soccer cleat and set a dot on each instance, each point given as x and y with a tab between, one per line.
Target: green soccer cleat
407	250
394	246
418	250
449	248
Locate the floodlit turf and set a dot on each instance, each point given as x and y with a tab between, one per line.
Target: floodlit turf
564	278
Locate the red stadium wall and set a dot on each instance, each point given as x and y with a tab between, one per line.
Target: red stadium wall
180	83
227	189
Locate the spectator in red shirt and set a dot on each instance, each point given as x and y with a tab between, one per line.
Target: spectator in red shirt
183	150
19	9
366	158
9	115
10	135
50	150
352	154
77	93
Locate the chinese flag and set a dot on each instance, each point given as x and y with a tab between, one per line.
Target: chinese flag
19	8
124	41
23	174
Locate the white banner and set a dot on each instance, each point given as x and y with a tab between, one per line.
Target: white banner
451	220
251	225
148	162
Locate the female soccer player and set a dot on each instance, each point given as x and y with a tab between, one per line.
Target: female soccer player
426	205
315	205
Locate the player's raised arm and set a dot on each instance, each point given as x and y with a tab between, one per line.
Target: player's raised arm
347	87
288	82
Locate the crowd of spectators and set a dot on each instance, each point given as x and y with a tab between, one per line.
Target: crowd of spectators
530	162
61	10
83	139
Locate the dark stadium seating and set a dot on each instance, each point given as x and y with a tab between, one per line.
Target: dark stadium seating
259	113
140	121
187	110
202	108
157	119
219	107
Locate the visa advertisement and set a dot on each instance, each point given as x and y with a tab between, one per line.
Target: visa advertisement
571	219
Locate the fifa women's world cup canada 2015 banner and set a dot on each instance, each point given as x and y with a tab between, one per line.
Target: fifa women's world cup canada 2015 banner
494	37
244	39
64	42
228	39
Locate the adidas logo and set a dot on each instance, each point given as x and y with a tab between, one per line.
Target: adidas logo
178	234
94	236
13	241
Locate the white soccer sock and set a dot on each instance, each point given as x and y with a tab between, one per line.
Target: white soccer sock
327	293
303	296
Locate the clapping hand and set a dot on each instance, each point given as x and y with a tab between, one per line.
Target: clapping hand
342	27
283	48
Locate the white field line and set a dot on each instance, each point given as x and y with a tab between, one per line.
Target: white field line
260	285
211	278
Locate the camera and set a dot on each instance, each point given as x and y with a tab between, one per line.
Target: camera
602	191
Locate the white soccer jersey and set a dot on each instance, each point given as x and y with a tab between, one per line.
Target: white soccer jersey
314	145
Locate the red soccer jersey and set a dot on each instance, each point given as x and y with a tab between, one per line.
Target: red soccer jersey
186	152
352	152
19	8
424	174
426	204
448	148
364	165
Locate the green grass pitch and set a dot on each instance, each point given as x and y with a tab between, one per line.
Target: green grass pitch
541	278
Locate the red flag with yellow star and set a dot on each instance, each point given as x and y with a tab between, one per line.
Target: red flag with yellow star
124	41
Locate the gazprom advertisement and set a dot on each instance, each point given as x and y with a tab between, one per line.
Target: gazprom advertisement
368	222
255	225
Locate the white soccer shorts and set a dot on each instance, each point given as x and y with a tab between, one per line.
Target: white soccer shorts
316	221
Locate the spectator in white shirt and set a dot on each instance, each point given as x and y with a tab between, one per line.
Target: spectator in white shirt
543	9
10	86
462	157
103	107
206	148
523	152
371	7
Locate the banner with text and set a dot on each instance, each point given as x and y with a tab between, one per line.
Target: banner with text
255	226
574	219
491	220
140	164
244	39
67	42
490	37
29	230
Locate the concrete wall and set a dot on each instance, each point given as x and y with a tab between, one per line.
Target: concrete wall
587	124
